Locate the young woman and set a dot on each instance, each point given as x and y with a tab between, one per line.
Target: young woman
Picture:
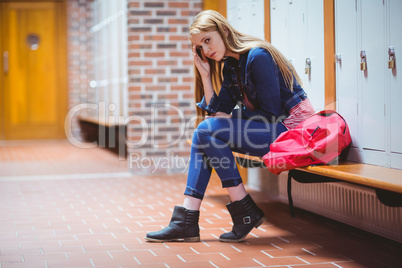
260	97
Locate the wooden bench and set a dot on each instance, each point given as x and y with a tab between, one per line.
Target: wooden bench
105	134
387	182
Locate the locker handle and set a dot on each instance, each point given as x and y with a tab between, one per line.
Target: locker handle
338	57
5	62
308	66
363	60
391	59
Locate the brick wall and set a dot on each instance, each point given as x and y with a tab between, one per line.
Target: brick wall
79	21
160	84
160	72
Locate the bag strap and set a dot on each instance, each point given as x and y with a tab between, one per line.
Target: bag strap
328	113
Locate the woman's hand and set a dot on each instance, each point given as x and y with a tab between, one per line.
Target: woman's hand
201	63
219	115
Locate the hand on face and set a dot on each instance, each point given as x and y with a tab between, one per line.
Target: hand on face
201	63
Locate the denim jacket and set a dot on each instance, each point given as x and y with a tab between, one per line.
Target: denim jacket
263	84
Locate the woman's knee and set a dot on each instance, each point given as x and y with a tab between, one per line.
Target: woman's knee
204	129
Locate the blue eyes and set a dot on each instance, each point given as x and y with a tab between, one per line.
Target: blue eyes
205	41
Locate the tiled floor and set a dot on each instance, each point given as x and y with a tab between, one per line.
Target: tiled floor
62	206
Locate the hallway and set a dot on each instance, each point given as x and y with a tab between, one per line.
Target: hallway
62	206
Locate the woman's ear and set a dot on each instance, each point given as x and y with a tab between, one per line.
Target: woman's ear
225	29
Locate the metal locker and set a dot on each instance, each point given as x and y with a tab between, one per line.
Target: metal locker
347	61
297	30
315	80
279	26
297	36
373	94
395	81
233	14
247	16
256	19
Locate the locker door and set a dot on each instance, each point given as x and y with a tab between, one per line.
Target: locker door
279	26
244	14
298	35
257	19
395	82
373	79
233	13
314	81
347	65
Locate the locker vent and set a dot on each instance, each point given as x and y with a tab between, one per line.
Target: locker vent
348	203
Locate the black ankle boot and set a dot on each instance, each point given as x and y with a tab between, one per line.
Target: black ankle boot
245	215
183	227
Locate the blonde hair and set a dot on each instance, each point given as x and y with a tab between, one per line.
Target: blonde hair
236	42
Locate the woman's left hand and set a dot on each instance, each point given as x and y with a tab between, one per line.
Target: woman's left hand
219	115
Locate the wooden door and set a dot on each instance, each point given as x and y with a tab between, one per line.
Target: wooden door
33	92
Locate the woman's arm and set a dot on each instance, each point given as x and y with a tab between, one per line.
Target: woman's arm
205	72
222	105
265	75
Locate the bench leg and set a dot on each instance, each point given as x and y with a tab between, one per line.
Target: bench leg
290	199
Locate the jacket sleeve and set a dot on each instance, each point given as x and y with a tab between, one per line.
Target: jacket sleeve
265	76
224	102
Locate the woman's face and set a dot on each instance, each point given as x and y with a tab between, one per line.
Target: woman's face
211	45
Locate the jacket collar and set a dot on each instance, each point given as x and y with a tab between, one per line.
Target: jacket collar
234	62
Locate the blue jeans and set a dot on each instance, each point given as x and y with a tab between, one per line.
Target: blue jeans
213	142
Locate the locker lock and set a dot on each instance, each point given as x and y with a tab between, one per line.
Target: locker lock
338	57
391	61
307	69
363	60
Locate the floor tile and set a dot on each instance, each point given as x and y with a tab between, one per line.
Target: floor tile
63	206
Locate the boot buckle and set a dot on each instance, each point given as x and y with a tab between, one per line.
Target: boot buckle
247	220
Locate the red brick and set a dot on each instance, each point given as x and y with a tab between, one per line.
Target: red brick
133	4
180	88
155	88
178	38
154	54
139	63
154	4
155	71
188	79
154	37
167	62
188	62
166	13
134	88
133	21
134	55
153	21
133	38
189	13
179	54
140	12
131	71
169	29
178	21
140	46
178	4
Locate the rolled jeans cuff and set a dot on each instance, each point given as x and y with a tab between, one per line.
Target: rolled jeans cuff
231	182
193	193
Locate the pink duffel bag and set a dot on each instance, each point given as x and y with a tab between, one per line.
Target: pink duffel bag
317	140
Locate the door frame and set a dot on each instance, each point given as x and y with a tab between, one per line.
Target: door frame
61	61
